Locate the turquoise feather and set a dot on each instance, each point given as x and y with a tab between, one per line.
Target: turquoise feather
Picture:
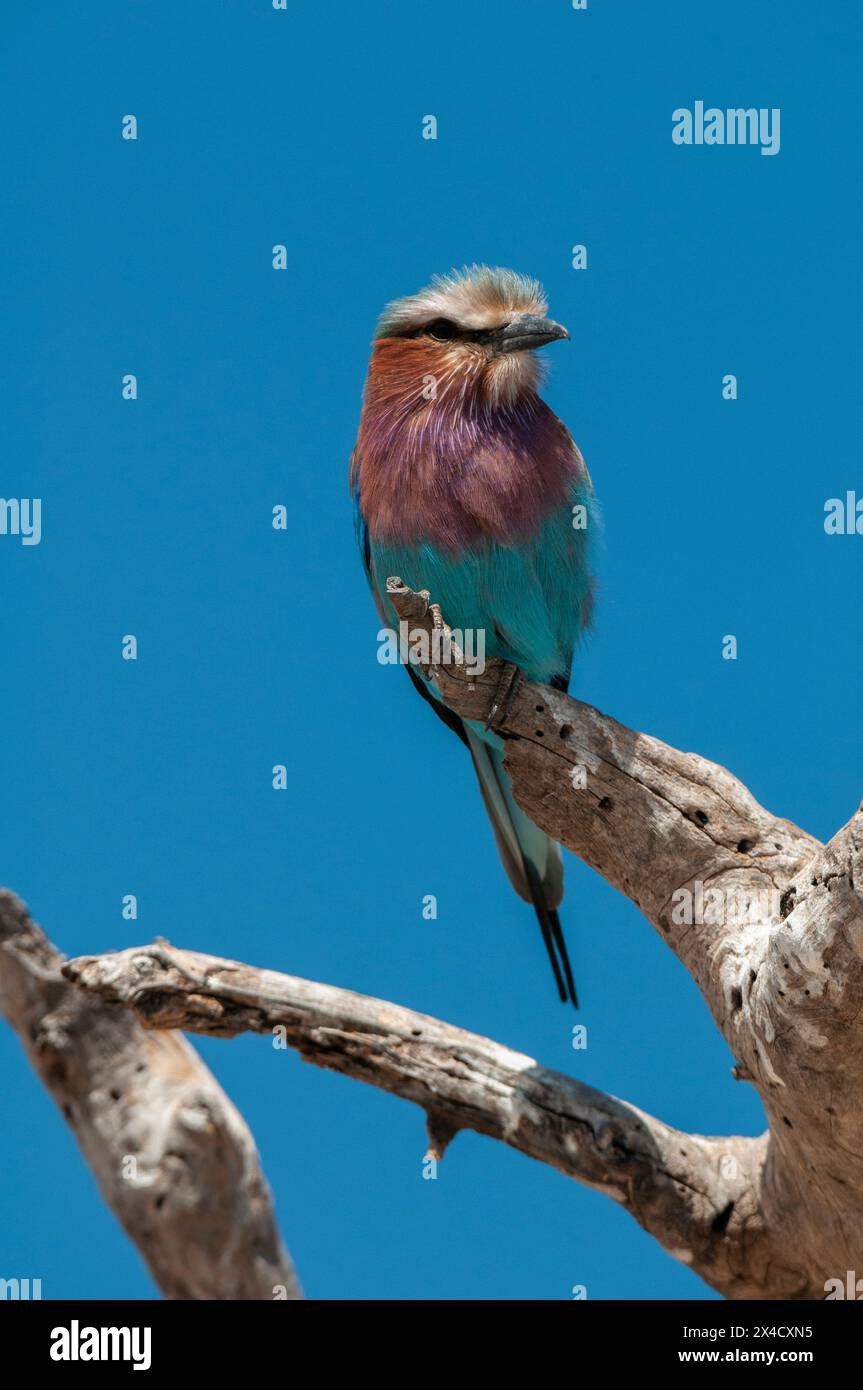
527	597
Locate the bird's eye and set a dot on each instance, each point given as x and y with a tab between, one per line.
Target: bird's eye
442	329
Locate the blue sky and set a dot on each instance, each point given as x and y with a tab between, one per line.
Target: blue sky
258	647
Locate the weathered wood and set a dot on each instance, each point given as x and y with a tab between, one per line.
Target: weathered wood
173	1158
768	922
694	1194
783	978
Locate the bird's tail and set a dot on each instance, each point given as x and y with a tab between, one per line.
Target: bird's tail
532	860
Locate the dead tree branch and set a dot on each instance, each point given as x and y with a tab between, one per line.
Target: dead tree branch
694	1194
768	922
172	1157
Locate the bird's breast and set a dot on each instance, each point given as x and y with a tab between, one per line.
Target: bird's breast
456	482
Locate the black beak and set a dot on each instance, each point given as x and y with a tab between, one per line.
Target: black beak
526	332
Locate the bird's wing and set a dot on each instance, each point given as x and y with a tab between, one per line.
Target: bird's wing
364	542
451	720
537	593
562	563
359	520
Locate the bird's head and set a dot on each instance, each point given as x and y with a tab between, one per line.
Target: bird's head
473	333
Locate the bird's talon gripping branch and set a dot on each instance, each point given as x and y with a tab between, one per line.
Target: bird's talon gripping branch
510	678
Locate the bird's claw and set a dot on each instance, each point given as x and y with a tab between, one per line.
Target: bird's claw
501	705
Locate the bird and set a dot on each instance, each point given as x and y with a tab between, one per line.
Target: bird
467	485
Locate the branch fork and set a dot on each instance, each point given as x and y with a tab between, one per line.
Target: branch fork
770	1217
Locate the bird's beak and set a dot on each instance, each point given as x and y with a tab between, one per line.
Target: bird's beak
525	332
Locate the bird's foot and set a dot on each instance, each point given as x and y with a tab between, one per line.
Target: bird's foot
510	678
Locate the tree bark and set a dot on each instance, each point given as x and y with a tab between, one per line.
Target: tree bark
173	1158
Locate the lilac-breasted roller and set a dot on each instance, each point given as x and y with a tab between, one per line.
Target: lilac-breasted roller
466	484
